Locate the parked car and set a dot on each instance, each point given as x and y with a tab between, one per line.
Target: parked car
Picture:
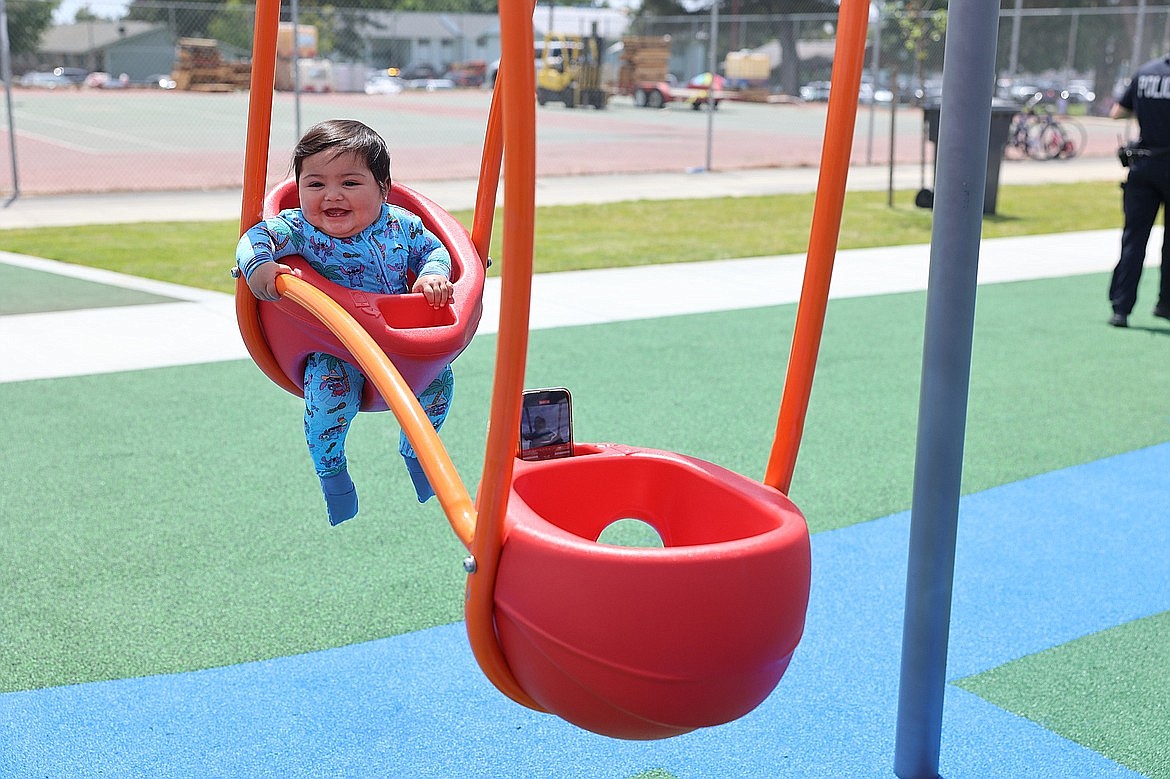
1078	93
76	76
867	93
468	74
160	81
929	93
815	91
383	85
102	80
419	73
430	84
44	80
1022	93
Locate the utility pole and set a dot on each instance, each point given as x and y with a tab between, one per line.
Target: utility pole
6	73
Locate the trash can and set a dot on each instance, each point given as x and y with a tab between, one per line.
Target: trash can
1002	112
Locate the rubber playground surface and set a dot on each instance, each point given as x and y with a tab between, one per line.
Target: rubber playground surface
175	604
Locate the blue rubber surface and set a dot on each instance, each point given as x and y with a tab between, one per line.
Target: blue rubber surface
1040	562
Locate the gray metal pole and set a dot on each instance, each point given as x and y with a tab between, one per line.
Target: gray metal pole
964	130
1070	54
712	56
1014	52
296	68
874	69
1139	52
6	74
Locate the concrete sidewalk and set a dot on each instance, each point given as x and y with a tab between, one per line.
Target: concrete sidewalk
200	326
126	207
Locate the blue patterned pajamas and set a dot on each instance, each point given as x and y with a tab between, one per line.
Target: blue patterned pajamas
381	259
333	394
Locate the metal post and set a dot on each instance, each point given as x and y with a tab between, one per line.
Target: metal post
876	19
296	68
1014	54
893	136
712	55
6	74
961	155
1070	55
1139	54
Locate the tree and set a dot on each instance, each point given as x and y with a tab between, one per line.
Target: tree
86	14
661	8
232	25
185	19
27	22
919	27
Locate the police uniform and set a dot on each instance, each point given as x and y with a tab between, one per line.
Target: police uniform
1146	188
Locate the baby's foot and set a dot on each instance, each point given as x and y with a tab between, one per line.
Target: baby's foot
421	486
341	499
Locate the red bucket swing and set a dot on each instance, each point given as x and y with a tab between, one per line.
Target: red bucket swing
644	643
634	643
418	338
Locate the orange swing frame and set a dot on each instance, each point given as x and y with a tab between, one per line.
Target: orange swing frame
507	519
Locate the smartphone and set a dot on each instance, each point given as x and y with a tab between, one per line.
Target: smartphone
546	424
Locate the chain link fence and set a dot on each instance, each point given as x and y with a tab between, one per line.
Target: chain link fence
153	95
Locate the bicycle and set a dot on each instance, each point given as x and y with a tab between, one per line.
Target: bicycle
1037	134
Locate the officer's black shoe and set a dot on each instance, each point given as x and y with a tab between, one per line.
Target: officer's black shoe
1119	320
1162	311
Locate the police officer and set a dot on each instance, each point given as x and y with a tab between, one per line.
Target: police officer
1146	188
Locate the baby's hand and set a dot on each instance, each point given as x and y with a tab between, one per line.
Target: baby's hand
436	289
263	280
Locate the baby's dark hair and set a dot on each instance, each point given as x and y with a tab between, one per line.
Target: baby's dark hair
345	136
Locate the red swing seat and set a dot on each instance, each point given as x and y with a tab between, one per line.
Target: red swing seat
417	338
648	643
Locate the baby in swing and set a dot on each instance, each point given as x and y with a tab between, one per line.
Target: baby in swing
349	234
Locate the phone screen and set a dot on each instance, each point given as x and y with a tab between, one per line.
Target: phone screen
546	424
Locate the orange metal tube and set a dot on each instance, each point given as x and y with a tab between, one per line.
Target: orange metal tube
848	59
519	89
377	368
263	79
255	177
489	176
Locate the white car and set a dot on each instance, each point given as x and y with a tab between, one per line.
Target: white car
383	85
430	84
160	81
44	80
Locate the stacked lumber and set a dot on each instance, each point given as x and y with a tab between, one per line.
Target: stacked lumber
752	94
199	67
644	58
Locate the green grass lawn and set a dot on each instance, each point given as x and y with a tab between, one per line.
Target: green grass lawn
199	254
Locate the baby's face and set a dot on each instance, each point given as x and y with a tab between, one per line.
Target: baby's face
339	195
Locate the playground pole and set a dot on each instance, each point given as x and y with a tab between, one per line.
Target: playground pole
6	75
964	129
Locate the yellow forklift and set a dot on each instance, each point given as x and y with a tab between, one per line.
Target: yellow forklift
570	71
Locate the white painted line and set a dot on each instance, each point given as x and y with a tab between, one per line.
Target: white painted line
106	340
113	278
